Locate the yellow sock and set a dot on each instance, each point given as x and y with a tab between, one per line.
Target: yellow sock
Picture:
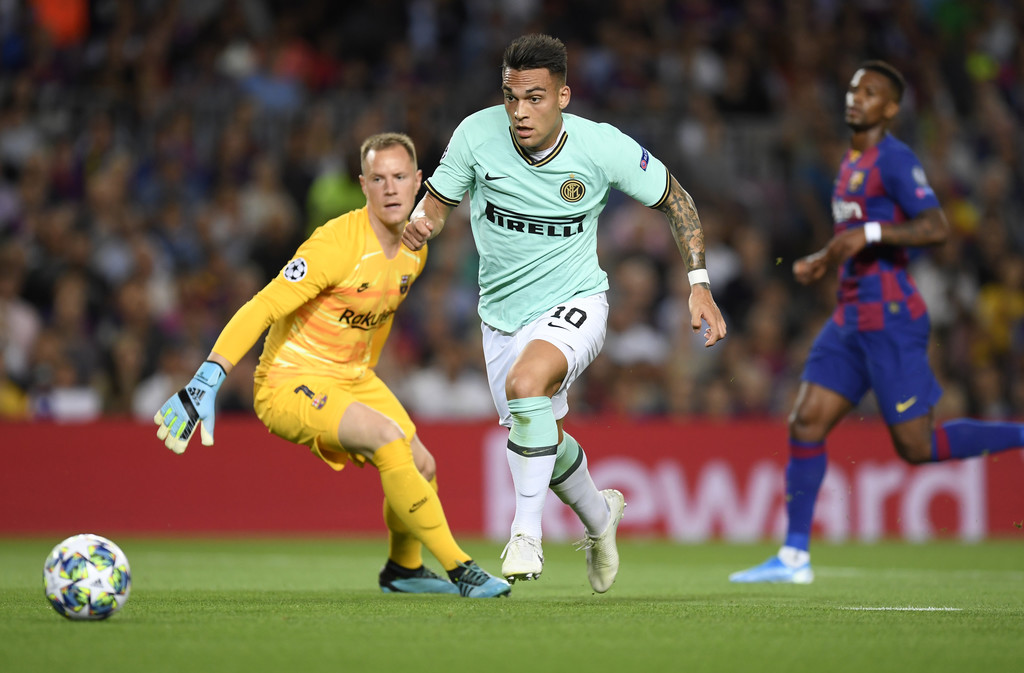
415	503
403	547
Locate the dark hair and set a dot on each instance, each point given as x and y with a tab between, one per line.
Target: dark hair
531	52
890	72
383	141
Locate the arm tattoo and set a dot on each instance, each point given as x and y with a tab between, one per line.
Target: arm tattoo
928	228
682	216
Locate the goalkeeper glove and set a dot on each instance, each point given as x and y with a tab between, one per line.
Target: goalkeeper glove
192	404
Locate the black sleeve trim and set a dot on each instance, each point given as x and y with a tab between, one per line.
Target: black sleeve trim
441	197
668	188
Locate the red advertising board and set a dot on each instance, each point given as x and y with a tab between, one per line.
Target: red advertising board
682	481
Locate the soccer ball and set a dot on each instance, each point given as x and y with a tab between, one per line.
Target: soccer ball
87	577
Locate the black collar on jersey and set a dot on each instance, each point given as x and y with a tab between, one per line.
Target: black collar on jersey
525	155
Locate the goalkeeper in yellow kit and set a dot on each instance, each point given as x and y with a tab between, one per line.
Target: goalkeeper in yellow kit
329	312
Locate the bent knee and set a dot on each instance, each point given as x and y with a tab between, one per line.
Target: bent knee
375	437
427	471
805	428
913	441
424	460
384	434
914	453
522	385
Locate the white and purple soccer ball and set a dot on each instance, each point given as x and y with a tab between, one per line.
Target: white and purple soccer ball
87	577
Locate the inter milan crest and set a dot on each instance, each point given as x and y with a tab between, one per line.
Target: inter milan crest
573	190
404	286
295	270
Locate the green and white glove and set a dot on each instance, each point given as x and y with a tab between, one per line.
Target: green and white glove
192	404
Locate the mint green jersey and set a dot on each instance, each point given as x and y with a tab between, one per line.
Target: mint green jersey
535	222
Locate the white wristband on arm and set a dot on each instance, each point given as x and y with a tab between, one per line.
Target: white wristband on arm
872	232
698	276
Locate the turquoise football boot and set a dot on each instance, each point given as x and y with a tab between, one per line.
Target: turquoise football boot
774	570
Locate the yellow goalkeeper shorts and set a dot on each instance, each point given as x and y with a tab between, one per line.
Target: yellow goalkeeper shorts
307	410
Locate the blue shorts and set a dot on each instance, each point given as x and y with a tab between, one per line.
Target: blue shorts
893	362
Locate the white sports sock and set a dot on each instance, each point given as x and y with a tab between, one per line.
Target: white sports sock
530	476
578	491
532	451
793	557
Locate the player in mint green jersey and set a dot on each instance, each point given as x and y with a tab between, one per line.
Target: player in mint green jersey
538	179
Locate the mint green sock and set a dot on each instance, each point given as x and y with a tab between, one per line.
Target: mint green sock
568	458
534	429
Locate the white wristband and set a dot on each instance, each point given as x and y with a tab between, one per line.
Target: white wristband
698	276
872	232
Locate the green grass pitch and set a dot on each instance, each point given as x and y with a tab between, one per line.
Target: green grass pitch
313	605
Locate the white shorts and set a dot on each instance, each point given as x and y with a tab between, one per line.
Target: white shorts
576	327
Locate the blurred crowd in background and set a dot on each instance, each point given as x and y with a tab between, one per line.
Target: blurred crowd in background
162	159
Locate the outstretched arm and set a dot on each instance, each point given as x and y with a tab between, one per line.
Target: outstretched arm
195	404
425	222
930	227
689	236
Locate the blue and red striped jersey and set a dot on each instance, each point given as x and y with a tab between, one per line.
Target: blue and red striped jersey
885	184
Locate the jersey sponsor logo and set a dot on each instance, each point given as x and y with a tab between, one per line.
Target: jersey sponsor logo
557	227
856	181
644	158
295	270
488	176
364	321
573	190
905	404
844	211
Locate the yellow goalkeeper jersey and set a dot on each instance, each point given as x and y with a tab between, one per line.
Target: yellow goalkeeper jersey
330	309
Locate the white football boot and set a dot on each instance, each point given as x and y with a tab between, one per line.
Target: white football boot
524	558
602	552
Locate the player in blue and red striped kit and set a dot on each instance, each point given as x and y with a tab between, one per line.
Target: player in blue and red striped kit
878	336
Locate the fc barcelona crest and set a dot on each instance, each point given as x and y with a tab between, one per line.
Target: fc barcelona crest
856	181
404	285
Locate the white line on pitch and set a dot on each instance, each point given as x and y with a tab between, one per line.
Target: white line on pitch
900	609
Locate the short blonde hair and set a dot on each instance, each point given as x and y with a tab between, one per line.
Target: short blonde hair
382	141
